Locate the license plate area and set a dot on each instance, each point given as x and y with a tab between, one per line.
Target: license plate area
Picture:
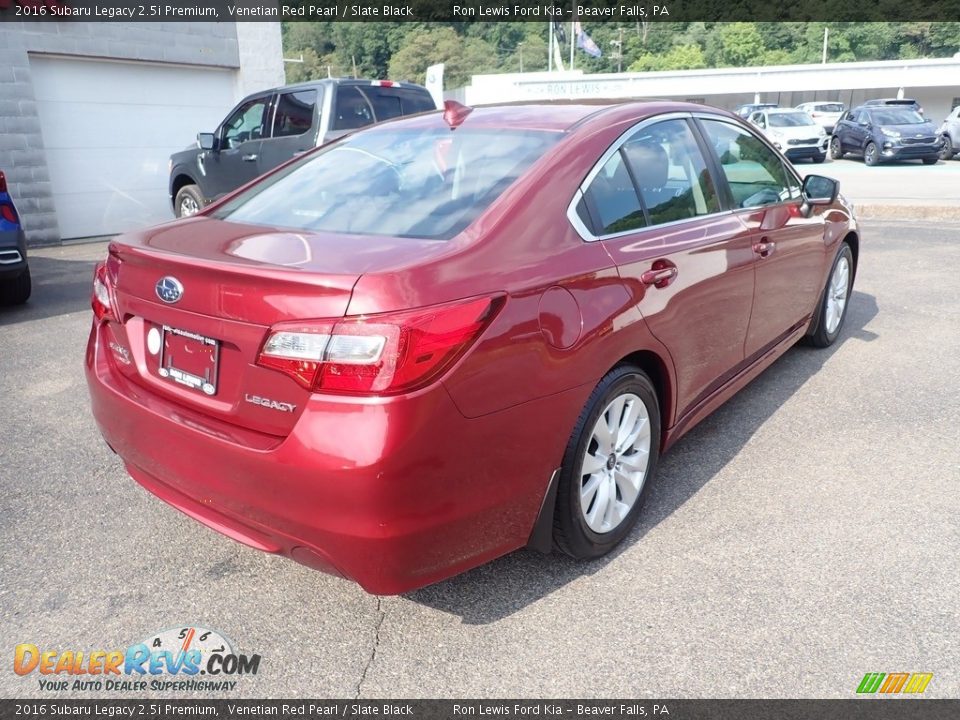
189	359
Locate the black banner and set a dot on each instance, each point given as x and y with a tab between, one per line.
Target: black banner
479	10
854	709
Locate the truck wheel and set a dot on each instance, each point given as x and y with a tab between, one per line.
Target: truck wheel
188	202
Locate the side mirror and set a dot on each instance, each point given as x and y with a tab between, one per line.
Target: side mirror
818	190
206	141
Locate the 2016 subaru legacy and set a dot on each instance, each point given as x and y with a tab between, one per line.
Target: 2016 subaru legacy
450	336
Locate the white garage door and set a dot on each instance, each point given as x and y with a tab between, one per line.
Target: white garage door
109	129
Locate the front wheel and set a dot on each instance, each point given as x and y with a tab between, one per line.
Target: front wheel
870	155
188	202
819	157
931	160
833	304
610	458
836	150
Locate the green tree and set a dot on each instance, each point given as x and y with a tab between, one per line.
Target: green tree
463	57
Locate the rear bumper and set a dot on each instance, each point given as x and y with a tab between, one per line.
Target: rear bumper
392	494
13	253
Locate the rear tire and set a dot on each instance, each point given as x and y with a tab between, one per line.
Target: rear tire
870	155
832	310
189	201
16	291
819	158
931	161
608	465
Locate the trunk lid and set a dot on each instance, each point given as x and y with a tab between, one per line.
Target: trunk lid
235	282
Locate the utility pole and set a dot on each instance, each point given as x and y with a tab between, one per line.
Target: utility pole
520	48
826	34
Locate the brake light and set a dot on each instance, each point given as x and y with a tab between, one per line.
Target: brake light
384	83
102	300
377	354
3	182
9	214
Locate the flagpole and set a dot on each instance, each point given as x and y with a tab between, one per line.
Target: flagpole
550	48
572	38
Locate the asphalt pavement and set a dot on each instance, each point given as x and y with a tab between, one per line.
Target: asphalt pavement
802	536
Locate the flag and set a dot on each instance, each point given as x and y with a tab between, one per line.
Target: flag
585	42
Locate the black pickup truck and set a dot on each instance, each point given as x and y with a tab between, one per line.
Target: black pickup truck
270	127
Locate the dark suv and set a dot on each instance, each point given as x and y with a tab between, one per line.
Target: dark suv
886	132
14	272
270	127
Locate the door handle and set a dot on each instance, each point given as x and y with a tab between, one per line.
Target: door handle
659	277
249	158
764	248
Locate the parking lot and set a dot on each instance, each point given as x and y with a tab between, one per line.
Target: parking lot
803	535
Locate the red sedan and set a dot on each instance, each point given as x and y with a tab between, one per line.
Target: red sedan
447	337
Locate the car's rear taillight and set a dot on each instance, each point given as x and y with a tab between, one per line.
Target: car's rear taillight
102	300
9	214
377	354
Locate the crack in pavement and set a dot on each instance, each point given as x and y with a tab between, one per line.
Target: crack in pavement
381	613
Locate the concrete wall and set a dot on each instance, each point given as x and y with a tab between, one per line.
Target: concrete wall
238	47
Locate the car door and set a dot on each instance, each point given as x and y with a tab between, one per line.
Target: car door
845	130
653	203
857	132
295	121
235	160
764	193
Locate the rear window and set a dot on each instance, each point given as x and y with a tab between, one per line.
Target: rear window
417	183
829	107
358	106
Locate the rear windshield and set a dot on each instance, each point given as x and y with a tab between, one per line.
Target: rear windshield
829	107
794	119
358	106
896	116
416	183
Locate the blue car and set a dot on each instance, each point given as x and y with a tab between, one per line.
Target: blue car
14	272
882	133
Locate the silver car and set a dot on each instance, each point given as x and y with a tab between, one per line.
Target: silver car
826	114
950	132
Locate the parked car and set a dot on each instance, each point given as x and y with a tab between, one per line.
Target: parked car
949	132
414	350
793	132
896	102
748	109
883	133
270	127
14	270
825	114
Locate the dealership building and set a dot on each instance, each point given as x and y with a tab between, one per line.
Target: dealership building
934	83
90	113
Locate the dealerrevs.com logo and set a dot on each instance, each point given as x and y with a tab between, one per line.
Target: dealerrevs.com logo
179	659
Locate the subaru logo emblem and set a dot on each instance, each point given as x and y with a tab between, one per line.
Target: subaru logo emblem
169	289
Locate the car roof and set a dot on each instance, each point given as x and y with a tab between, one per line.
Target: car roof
327	82
781	111
560	116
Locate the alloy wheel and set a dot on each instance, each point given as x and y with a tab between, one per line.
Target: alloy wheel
615	463
837	294
188	206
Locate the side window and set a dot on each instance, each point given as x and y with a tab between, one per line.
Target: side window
670	172
352	109
755	174
245	124
294	115
757	119
849	116
612	199
416	102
